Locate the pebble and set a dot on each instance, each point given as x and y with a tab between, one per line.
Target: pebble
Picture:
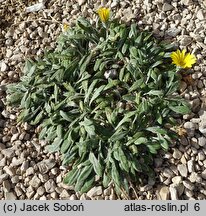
4	67
186	40
200	15
173	32
35	182
50	186
64	194
177	180
182	168
3	177
24	166
9	170
194	177
46	165
30	192
6	186
177	154
167	7
203	174
81	2
190	166
173	192
95	191
167	173
164	193
30	171
73	197
10	196
9	152
188	185
41	190
202	141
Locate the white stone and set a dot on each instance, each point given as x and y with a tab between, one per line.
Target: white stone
10	196
167	7
35	182
202	141
173	192
203	174
4	67
50	186
164	193
95	191
81	2
190	166
173	32
182	169
200	15
186	40
188	185
177	154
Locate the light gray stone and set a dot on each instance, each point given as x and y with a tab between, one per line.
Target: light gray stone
46	165
9	152
202	141
4	67
50	186
81	2
167	7
164	193
95	191
168	173
188	185
73	197
64	194
35	182
186	40
190	166
41	190
203	174
182	168
177	154
201	15
177	180
24	166
173	192
30	171
9	170
6	186
10	196
173	32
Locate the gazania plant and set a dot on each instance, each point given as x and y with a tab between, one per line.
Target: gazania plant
103	99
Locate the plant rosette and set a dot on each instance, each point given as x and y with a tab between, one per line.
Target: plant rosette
102	99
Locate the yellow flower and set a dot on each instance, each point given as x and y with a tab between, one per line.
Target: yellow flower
65	27
104	14
183	60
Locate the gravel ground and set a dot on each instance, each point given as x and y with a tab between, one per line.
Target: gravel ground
27	171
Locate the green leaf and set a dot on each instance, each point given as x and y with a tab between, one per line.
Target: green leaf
84	174
96	164
141	140
106	180
59	131
88	184
96	94
126	119
55	146
71	176
180	109
90	89
157	130
115	175
65	116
